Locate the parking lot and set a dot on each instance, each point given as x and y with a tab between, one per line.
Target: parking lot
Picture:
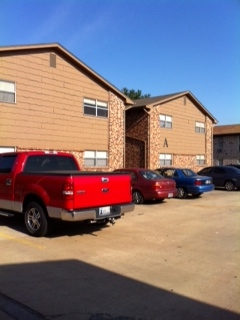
173	260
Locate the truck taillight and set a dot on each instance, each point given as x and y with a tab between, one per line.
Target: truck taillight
67	191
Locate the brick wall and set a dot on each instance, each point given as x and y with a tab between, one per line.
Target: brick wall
228	151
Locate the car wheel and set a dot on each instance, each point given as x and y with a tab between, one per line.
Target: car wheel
35	219
182	193
137	197
229	185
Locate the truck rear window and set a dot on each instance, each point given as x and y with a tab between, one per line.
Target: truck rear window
49	163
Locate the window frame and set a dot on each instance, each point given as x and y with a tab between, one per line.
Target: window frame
98	106
200	160
165	159
92	158
199	127
165	121
6	92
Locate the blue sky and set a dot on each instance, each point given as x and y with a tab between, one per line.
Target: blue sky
156	46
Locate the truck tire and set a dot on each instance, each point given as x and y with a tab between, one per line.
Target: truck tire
35	219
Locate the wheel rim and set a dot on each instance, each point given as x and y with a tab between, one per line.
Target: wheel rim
229	186
137	198
181	193
34	219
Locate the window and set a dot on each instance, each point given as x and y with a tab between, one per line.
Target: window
165	121
95	108
200	159
200	127
49	163
219	144
219	171
95	159
165	160
7	92
6	163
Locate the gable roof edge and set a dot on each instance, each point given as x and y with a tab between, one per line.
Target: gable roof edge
58	47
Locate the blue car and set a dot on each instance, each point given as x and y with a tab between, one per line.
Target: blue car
187	181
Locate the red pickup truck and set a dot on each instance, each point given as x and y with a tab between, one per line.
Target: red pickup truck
44	186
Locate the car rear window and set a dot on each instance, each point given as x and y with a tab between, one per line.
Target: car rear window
188	172
150	175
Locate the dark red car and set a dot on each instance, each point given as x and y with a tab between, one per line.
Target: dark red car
149	185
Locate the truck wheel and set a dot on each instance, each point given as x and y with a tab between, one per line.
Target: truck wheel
137	197
35	219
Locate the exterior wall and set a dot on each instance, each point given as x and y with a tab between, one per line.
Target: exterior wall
182	140
116	133
137	138
48	113
229	152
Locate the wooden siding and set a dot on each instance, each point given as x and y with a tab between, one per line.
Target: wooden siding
49	105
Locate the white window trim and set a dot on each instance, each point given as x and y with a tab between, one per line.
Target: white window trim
165	121
96	158
200	160
7	149
199	127
7	88
165	159
96	105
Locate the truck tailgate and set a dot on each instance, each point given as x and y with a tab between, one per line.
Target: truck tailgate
99	190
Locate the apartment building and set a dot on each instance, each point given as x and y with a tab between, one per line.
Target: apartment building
226	144
169	130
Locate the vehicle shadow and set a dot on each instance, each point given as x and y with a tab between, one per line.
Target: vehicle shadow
73	289
57	228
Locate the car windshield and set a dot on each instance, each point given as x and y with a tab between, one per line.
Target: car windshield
150	175
188	172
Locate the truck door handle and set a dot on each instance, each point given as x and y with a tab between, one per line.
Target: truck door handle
8	182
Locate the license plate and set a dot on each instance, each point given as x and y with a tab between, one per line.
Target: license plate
170	195
208	181
104	211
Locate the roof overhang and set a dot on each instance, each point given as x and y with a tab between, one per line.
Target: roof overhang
59	49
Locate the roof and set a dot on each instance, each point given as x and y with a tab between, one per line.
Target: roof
226	129
154	101
59	49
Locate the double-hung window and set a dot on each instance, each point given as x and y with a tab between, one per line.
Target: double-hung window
200	160
165	121
7	91
95	108
200	127
165	160
95	158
